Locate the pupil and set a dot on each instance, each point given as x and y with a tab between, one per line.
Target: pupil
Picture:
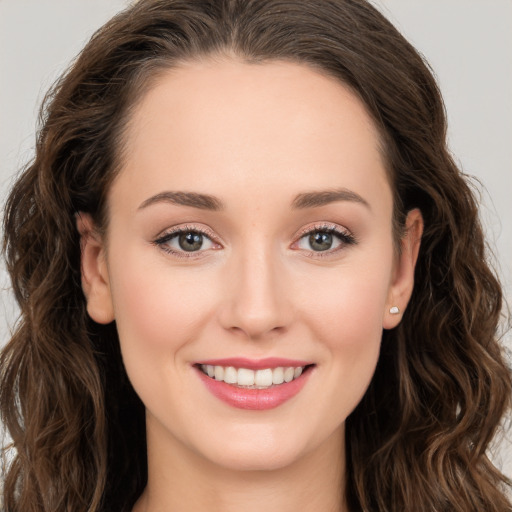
320	241
191	241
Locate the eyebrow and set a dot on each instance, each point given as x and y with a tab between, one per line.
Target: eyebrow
193	199
302	201
324	197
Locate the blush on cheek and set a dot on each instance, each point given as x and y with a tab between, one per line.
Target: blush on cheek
350	327
352	309
161	312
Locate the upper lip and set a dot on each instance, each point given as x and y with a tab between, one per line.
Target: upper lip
255	364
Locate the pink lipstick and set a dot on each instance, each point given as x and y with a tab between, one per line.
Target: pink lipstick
254	384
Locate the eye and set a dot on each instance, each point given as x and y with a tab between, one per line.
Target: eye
325	239
185	240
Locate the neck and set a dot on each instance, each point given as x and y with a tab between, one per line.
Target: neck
179	479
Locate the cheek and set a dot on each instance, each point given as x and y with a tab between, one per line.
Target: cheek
159	310
349	309
347	319
158	313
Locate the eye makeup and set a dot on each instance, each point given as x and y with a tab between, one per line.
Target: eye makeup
327	231
188	237
191	241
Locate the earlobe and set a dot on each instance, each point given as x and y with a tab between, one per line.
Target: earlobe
94	271
403	277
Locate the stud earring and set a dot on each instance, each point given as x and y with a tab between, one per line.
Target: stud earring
395	310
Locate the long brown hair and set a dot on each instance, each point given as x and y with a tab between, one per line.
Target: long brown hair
418	439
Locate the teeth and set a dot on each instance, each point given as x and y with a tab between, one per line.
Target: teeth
250	378
263	378
278	376
245	377
230	375
218	372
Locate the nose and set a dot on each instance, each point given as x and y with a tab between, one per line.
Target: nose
257	301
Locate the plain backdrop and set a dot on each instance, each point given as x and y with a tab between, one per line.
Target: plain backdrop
468	44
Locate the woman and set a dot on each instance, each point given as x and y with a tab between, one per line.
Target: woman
250	275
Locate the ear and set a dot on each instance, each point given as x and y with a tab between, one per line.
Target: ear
402	284
95	279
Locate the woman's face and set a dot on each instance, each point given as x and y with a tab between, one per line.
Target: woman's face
250	230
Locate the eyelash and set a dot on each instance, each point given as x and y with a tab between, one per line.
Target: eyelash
345	238
169	235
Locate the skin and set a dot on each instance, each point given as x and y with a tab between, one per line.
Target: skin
255	137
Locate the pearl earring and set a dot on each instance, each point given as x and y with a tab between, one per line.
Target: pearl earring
395	310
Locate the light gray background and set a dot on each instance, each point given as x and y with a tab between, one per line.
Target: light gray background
467	42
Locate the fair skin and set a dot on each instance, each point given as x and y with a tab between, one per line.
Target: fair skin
254	284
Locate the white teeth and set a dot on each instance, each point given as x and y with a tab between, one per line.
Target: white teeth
219	372
230	375
263	377
253	378
288	374
245	377
278	375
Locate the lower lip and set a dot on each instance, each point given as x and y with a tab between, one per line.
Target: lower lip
254	399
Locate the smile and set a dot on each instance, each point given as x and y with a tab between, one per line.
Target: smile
260	385
252	379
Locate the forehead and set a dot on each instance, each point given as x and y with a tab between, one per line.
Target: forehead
212	122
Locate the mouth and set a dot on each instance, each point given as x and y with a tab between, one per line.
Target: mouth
264	386
264	378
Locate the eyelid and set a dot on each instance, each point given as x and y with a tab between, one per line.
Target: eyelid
323	226
169	233
204	230
345	236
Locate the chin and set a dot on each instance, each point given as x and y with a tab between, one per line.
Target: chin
268	453
255	460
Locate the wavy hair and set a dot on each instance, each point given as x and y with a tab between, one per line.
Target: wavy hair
419	438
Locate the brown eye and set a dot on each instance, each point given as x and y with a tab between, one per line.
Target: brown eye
183	241
325	240
191	241
320	241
